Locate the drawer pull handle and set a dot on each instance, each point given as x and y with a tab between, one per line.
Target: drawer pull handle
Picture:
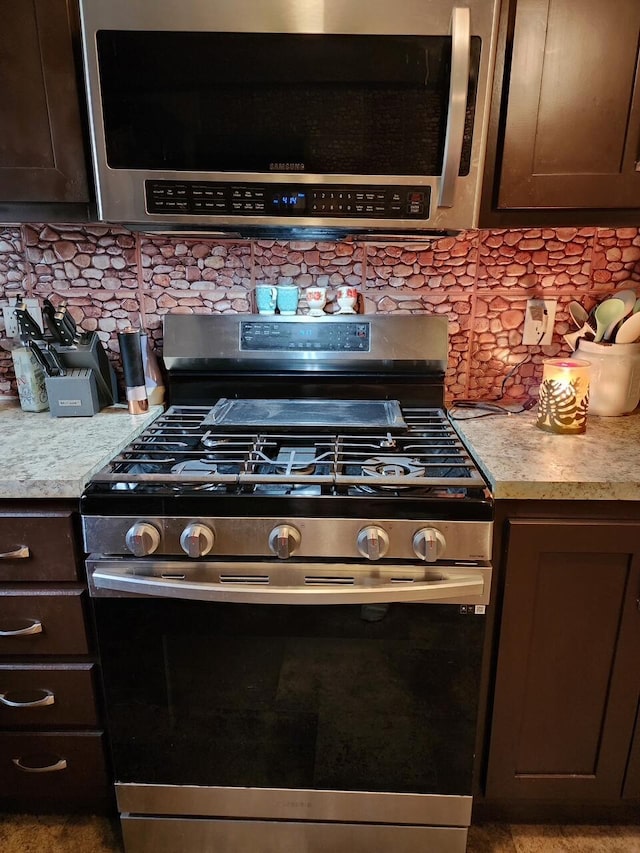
60	764
20	553
34	628
47	699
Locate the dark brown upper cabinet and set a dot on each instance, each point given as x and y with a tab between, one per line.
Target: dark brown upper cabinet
564	138
42	148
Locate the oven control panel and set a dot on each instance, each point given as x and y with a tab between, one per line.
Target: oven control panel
268	537
305	337
209	198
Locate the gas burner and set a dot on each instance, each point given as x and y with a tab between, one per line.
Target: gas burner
216	442
428	455
392	466
298	460
196	466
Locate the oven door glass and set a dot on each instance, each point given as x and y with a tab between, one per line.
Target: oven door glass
260	102
347	697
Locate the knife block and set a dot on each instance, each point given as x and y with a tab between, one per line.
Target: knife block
73	395
92	356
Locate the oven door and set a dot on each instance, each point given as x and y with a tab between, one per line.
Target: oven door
360	712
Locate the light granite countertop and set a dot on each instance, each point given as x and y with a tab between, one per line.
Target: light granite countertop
45	457
523	462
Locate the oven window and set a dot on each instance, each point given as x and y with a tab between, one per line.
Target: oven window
259	102
375	697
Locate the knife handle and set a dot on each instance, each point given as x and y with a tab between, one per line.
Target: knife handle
39	357
64	335
28	329
48	312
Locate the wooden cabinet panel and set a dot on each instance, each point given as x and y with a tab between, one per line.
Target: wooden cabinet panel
55	617
42	157
567	682
52	754
75	771
39	695
570	136
43	546
632	780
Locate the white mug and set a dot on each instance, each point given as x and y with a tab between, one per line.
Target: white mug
316	300
347	297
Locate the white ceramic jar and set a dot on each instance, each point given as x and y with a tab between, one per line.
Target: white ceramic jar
614	377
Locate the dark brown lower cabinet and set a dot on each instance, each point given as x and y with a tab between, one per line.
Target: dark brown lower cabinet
53	771
52	749
568	667
631	789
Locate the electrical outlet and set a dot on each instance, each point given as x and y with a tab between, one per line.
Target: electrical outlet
10	322
538	321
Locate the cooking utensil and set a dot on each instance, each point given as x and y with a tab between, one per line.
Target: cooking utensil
573	337
629	331
629	299
578	314
607	315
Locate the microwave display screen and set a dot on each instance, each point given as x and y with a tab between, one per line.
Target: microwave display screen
280	103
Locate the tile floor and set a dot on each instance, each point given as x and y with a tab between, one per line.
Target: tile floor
60	834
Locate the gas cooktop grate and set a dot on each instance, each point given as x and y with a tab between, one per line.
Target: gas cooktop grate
181	449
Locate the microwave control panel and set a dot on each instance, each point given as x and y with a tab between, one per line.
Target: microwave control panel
324	200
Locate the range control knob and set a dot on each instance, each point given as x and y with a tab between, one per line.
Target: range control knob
283	540
429	544
373	542
142	538
196	540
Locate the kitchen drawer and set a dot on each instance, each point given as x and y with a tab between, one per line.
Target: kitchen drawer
50	771
42	622
39	695
37	547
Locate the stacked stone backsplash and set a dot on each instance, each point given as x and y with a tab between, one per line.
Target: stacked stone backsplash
112	278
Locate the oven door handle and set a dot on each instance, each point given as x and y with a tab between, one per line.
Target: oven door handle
454	588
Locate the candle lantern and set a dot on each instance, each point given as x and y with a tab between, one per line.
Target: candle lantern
564	396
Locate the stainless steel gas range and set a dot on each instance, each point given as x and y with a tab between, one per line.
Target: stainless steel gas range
289	572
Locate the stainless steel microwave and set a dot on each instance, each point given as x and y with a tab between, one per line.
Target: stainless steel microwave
241	115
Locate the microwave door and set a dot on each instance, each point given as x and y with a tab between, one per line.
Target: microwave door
296	110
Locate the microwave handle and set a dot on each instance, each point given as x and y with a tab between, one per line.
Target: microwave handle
457	109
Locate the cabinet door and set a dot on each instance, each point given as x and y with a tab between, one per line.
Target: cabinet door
41	146
632	781
572	132
58	771
567	680
43	621
37	546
